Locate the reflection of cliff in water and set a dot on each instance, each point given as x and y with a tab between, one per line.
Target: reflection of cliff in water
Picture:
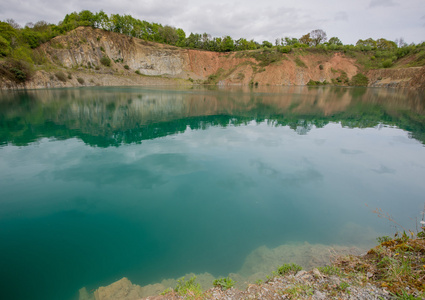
113	116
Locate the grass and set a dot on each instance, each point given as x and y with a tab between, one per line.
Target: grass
300	63
188	288
288	268
224	283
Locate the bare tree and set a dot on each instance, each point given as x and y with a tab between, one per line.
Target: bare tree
400	42
318	36
13	23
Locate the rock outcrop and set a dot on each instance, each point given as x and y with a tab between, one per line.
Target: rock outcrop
97	57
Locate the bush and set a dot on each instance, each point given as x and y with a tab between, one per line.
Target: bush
359	80
61	76
106	61
387	63
288	268
126	67
188	287
224	283
138	72
80	80
17	71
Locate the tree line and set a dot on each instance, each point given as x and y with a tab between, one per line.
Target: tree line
17	41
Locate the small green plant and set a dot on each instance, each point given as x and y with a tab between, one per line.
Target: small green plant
299	290
330	270
102	49
106	61
166	291
321	67
404	296
224	283
188	288
60	76
69	76
343	286
126	67
80	80
288	268
137	72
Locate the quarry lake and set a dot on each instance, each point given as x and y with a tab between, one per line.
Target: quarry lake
97	184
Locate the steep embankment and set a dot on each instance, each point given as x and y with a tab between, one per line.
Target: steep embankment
96	57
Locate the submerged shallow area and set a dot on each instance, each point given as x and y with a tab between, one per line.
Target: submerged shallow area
151	183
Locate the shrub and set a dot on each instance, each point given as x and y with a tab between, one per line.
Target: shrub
321	67
126	67
17	71
288	268
69	76
106	61
387	63
138	72
80	80
61	76
224	283
188	287
359	80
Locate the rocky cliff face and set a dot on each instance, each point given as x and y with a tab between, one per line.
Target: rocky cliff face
80	53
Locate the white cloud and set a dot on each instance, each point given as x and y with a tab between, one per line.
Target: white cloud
384	3
251	19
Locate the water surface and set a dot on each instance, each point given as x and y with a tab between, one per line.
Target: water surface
149	183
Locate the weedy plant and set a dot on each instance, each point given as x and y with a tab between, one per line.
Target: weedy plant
397	263
190	289
224	283
288	268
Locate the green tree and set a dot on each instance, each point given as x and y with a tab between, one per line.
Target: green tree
383	44
227	44
267	44
335	41
306	40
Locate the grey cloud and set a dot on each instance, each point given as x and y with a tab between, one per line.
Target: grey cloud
350	152
384	170
305	174
383	3
341	16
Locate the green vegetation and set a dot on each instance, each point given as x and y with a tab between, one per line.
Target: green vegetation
288	268
60	76
106	61
188	288
224	283
359	80
17	71
80	80
19	44
300	63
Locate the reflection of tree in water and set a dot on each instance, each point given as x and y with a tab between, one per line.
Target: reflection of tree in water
111	119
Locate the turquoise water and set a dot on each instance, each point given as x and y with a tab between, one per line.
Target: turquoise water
149	183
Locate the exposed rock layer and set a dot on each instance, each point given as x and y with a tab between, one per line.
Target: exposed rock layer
80	53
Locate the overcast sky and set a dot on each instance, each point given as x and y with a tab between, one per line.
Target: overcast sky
260	20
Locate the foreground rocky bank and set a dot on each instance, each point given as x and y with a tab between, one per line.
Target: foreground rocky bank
93	57
394	269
